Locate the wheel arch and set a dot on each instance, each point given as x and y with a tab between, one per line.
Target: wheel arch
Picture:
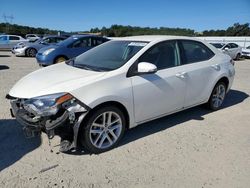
225	80
112	103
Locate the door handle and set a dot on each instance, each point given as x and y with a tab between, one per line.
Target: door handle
181	75
216	67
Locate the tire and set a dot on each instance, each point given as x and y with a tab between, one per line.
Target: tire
60	59
217	96
237	56
98	135
31	52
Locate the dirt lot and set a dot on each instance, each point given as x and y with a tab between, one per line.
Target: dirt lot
194	148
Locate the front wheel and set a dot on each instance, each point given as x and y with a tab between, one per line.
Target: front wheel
103	129
217	97
60	59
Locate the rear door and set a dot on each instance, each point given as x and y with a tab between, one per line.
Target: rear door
13	40
95	41
198	68
4	42
162	92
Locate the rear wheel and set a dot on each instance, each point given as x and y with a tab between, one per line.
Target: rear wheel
217	97
60	59
31	52
103	129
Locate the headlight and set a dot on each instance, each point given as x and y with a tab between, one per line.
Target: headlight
46	105
46	52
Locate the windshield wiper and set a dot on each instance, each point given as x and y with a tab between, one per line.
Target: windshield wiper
88	67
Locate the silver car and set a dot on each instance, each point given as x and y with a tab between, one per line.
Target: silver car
8	41
231	49
30	49
32	37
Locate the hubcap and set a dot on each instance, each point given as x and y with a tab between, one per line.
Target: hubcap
60	59
105	130
218	95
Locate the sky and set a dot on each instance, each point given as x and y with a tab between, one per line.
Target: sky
81	15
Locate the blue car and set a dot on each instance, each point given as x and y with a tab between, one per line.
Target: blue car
67	49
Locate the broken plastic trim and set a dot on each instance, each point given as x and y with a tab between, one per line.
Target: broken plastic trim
73	112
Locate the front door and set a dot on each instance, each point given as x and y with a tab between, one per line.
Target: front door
164	91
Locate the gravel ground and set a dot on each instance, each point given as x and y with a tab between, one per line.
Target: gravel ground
193	148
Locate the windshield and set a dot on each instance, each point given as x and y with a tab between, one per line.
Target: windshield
217	45
248	47
109	56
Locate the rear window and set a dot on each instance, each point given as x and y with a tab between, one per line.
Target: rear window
217	45
195	51
14	38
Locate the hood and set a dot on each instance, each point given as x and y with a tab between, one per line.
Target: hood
47	47
53	79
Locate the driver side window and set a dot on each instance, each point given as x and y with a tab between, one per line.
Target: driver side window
163	55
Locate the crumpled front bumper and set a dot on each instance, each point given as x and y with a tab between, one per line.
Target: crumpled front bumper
65	123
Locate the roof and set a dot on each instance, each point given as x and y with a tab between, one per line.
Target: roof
150	38
84	35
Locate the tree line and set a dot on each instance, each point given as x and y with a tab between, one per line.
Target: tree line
236	29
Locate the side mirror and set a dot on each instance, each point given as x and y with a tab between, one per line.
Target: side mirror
146	68
226	48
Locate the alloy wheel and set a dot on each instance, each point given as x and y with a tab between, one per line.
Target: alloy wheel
218	95
105	130
32	52
60	60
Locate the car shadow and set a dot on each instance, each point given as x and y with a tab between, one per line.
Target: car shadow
234	97
3	67
13	144
5	55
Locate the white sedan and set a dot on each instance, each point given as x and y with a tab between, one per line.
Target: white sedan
246	52
231	49
91	100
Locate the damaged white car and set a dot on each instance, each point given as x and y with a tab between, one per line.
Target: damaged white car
91	100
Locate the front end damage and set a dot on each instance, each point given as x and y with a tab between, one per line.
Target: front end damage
62	117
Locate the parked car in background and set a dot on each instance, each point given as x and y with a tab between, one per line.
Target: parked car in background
8	41
246	52
30	49
92	99
32	37
231	49
69	48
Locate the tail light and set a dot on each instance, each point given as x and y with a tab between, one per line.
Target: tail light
232	62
